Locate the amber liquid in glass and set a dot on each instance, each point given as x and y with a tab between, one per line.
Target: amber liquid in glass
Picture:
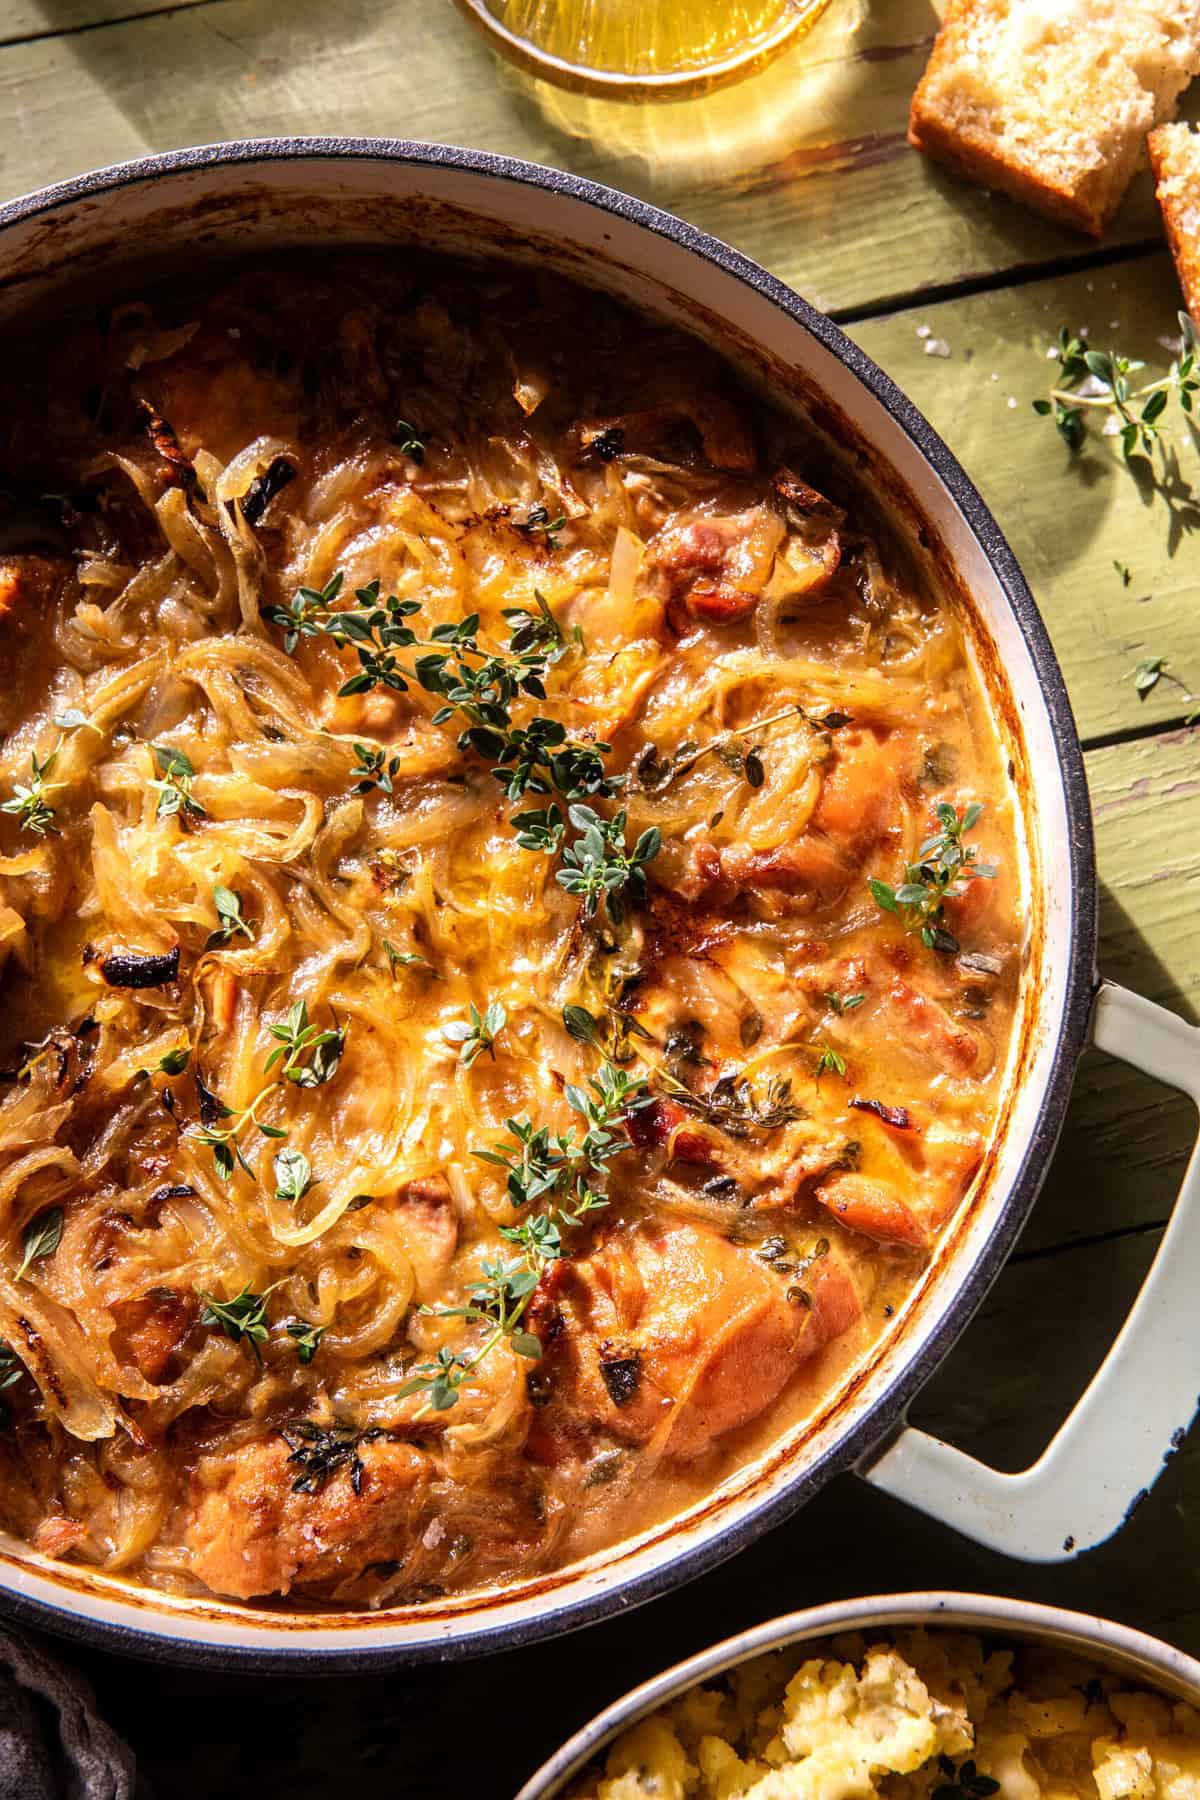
647	39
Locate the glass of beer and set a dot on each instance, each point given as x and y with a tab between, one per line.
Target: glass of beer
642	49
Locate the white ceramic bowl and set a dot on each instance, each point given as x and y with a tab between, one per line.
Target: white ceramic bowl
1131	1654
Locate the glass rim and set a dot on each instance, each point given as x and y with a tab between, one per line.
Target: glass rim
611	84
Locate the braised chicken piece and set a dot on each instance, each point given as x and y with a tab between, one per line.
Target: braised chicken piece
672	1336
252	1530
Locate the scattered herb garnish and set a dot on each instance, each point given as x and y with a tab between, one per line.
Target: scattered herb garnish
229	912
293	1174
1138	409
598	866
407	441
844	1003
1148	673
558	1168
321	1450
480	686
243	1317
224	1141
540	631
478	1033
307	1339
40	1238
310	1056
29	802
538	519
174	786
654	772
733	1106
375	768
829	1062
406	959
1124	571
174	1062
943	868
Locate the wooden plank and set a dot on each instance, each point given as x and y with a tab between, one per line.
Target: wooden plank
1070	519
1126	1138
1000	1395
828	195
22	19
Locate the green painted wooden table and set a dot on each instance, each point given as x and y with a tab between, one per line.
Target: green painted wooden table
809	173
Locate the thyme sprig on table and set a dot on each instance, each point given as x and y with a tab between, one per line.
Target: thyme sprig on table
944	867
1138	409
563	1171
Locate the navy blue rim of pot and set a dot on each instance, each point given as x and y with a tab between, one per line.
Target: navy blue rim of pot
888	1412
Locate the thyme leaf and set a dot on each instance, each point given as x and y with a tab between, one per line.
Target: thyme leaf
478	1033
229	913
174	785
944	867
242	1318
307	1339
41	1237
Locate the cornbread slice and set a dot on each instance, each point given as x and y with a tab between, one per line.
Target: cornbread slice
1049	100
1175	157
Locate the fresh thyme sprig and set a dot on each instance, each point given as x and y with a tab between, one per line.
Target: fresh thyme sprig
293	1174
374	768
307	1338
174	785
829	1062
408	440
242	1318
598	866
560	1169
319	1451
229	912
479	687
309	1055
478	1033
29	800
1139	409
944	867
40	1238
654	773
538	520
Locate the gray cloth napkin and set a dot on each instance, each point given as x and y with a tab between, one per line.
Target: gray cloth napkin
52	1744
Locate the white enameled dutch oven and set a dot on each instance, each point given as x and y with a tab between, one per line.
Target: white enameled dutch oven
89	239
1142	1660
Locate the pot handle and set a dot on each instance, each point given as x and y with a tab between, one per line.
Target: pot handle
1113	1446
